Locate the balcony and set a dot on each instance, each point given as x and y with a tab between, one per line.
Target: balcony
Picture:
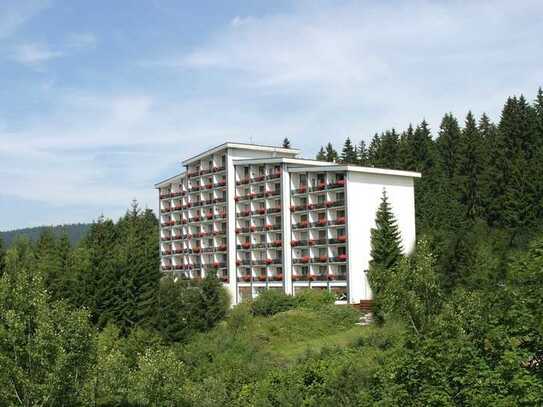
258	178
338	221
340	183
219	169
259	211
334	204
220	183
321	186
319	223
298	208
176	194
166	238
246	278
165	195
193	174
301	225
276	243
244	213
165	210
167	268
337	277
302	189
338	240
341	258
314	242
243	181
273	210
166	252
320	259
302	260
195	188
274	175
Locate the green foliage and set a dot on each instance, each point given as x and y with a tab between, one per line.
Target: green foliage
286	143
74	232
185	308
386	248
348	154
271	302
46	348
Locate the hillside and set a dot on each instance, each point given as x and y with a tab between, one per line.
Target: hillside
74	231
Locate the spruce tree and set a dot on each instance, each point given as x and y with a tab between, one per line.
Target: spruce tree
286	143
362	154
448	143
321	155
470	167
330	154
2	256
386	248
348	154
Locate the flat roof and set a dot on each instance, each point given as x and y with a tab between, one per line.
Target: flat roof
242	146
167	180
275	160
355	168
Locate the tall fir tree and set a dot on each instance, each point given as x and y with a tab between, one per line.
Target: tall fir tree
386	247
331	154
513	197
448	143
321	155
362	154
2	256
286	143
470	167
348	154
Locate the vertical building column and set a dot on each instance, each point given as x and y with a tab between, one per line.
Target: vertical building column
286	229
231	227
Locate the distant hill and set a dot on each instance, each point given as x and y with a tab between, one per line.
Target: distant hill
74	231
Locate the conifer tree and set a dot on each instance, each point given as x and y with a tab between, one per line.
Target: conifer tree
2	256
331	154
321	155
362	154
386	248
470	166
348	154
286	143
448	143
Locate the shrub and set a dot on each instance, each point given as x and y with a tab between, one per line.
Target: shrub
270	302
314	299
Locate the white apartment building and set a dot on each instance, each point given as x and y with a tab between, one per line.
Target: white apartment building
261	218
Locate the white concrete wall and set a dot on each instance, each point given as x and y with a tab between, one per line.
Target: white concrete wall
364	192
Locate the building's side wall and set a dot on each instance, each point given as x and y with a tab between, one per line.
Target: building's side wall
364	192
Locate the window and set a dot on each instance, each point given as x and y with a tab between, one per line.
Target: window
340	231
321	199
210	164
322	216
340	196
261	188
223	160
322	234
246	171
322	251
303	179
277	187
261	170
340	213
340	177
341	250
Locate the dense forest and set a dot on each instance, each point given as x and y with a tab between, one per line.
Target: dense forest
75	232
457	322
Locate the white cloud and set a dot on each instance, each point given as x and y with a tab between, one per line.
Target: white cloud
14	13
81	41
368	66
34	54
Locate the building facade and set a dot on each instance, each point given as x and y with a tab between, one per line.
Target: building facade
261	218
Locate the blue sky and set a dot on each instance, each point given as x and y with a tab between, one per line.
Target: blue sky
100	99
